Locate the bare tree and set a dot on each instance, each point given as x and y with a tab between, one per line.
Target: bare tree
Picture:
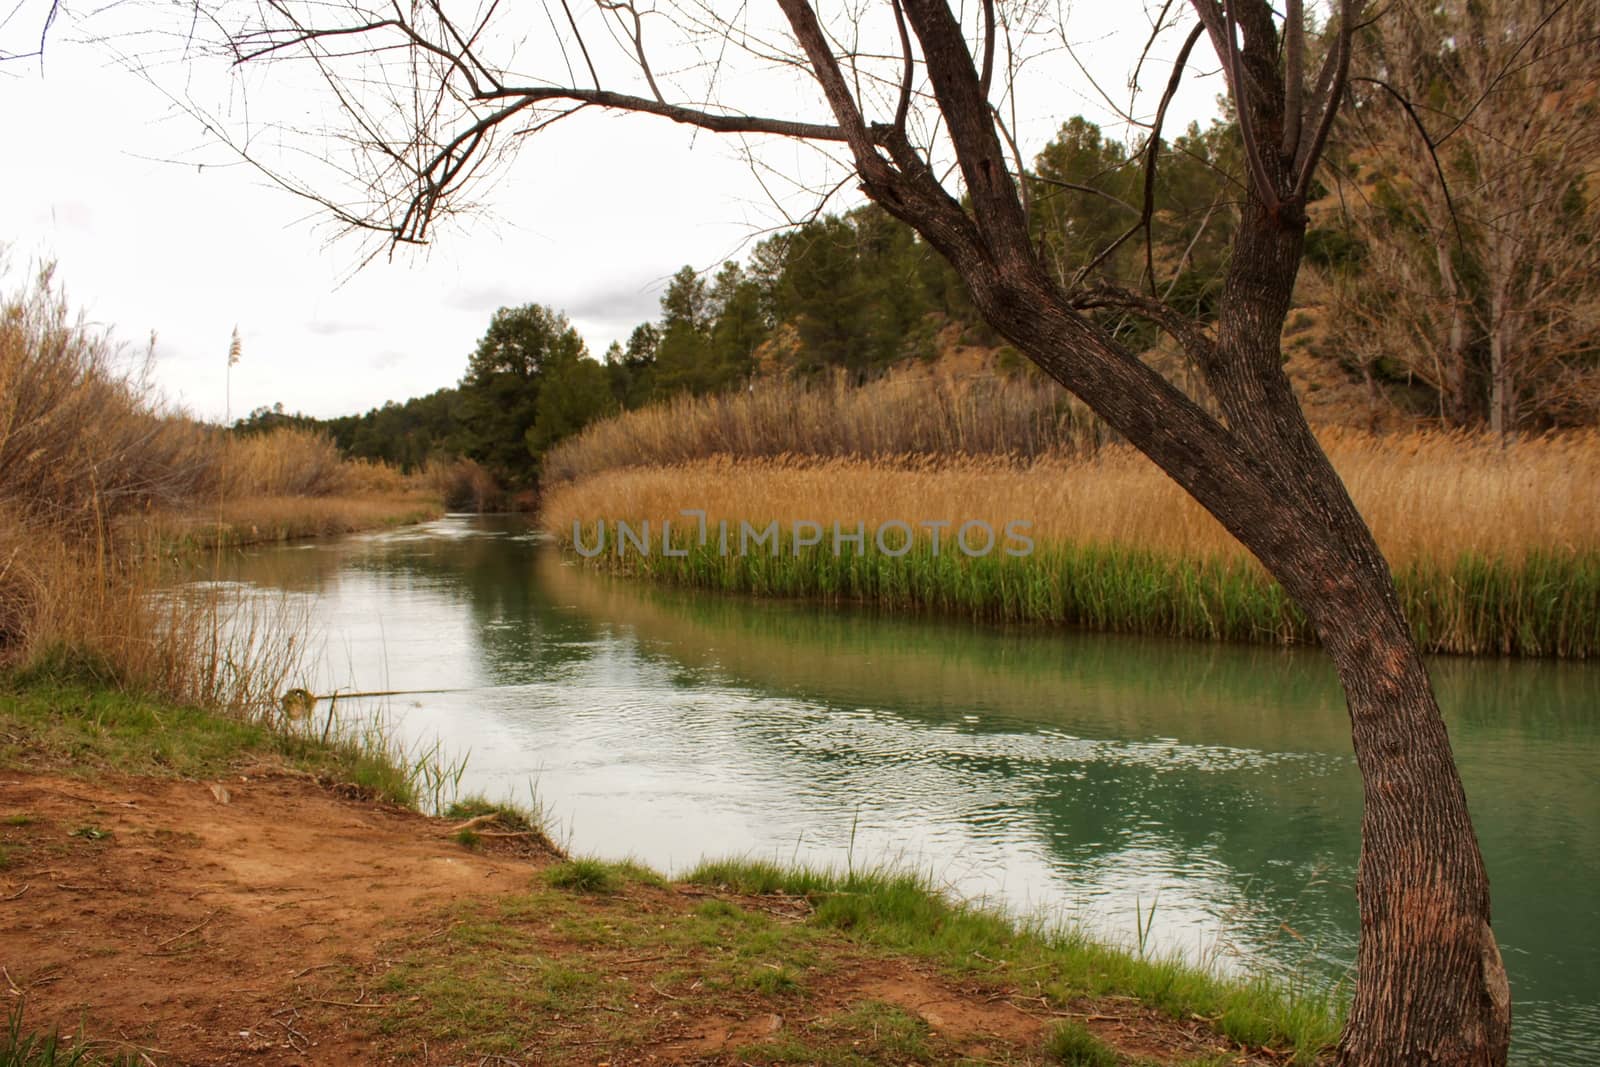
1477	132
921	105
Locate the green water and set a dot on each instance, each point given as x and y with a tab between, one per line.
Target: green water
1209	790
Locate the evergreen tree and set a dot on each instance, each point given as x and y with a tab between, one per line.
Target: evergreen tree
574	391
738	329
683	354
500	392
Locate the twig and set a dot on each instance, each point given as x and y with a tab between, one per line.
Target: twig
185	933
347	1003
307	970
25	887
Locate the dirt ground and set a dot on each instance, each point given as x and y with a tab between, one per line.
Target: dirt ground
252	920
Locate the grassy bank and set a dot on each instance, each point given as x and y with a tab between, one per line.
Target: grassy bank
255	520
73	726
585	960
788	944
1495	550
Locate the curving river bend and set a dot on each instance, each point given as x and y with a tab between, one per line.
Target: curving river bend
1205	792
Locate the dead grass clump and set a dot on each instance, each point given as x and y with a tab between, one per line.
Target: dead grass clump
463	485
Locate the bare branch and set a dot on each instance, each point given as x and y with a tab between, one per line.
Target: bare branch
1428	143
1186	331
1151	152
1294	49
986	76
904	106
1308	155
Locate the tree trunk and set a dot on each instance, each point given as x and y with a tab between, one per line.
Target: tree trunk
1431	988
1499	371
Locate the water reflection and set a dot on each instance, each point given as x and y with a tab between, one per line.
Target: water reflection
1090	777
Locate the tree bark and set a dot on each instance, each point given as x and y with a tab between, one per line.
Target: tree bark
1431	987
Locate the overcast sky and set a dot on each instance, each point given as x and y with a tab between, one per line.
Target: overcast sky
592	219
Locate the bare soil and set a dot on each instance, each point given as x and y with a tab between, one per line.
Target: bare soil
253	920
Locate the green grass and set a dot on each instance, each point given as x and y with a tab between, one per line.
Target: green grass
509	973
560	973
507	816
589	875
901	912
1072	1045
1546	604
20	1047
66	726
584	876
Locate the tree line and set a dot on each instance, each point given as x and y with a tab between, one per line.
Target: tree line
1453	266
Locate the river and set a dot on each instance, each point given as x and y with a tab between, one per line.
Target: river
1201	797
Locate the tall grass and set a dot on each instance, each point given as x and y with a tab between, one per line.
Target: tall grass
1494	549
285	462
909	413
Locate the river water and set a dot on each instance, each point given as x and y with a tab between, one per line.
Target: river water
1204	795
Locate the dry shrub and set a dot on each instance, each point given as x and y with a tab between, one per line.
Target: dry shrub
80	438
285	462
87	449
908	413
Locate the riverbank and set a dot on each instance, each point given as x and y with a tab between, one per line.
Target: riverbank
256	520
1495	550
240	896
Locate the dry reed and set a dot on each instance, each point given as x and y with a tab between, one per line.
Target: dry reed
1495	549
913	412
1426	495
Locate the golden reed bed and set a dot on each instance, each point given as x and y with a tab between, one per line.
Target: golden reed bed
1427	496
